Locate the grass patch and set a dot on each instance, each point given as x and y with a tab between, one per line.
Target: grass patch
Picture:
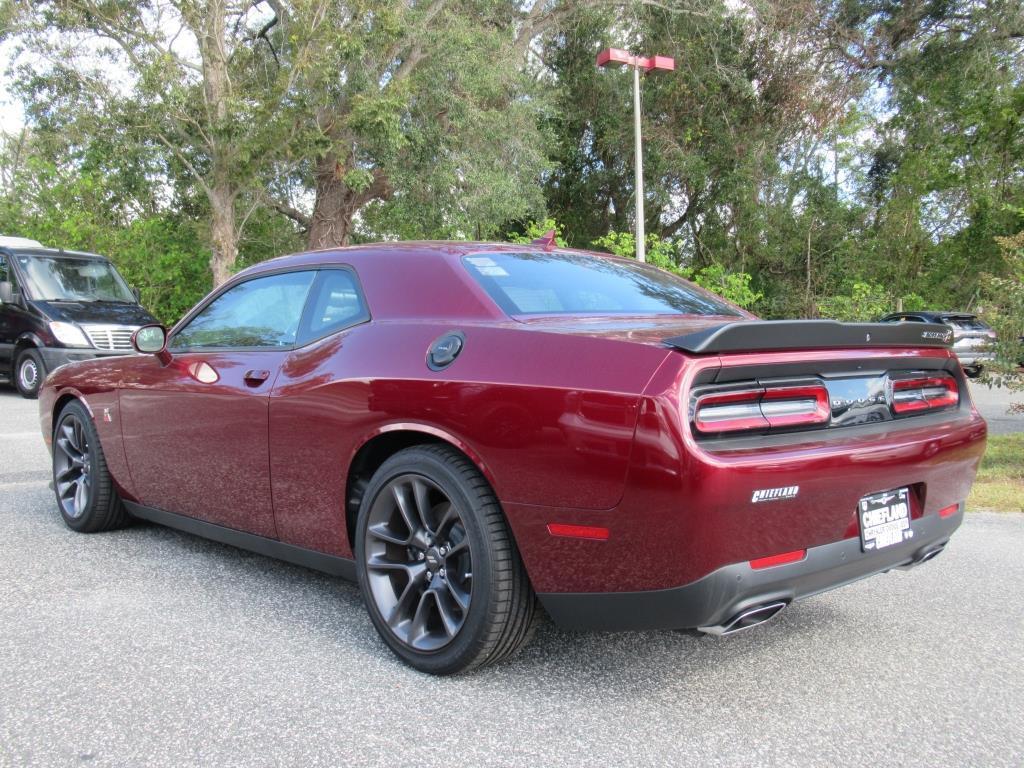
1000	482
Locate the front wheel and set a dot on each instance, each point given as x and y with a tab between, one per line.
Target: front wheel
86	495
438	568
29	373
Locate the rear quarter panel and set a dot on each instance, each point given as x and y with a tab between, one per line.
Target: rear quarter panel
687	509
549	418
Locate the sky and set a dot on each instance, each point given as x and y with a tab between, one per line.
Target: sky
12	117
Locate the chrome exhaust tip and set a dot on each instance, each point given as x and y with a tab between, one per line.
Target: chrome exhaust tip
747	619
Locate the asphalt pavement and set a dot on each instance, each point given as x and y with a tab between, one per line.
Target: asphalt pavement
994	404
151	647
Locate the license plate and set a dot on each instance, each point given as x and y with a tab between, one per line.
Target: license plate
885	519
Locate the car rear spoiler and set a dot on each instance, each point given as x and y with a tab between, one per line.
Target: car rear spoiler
769	335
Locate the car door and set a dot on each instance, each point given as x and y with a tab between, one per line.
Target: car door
316	407
8	331
195	429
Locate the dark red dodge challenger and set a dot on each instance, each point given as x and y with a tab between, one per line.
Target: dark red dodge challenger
467	428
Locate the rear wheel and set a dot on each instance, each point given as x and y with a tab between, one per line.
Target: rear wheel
86	496
442	578
29	373
972	372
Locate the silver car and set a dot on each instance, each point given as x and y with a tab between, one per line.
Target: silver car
973	340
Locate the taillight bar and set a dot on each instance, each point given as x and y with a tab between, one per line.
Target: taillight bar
924	393
762	408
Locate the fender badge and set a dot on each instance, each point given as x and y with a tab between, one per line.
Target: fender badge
106	415
775	494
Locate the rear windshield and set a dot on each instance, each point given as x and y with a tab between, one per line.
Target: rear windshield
570	283
965	323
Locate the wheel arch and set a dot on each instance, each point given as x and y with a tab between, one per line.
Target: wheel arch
26	340
382	444
61	401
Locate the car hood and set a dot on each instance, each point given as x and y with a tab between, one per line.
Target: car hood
643	329
96	312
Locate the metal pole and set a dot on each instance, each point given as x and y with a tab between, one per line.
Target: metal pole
641	251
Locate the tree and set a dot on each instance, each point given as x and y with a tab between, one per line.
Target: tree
193	76
423	122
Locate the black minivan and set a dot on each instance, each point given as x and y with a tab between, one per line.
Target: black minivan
58	307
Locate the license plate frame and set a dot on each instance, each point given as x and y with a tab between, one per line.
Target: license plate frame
884	519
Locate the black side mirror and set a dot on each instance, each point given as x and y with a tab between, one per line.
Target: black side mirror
6	292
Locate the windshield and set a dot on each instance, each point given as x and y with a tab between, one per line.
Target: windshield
67	278
569	283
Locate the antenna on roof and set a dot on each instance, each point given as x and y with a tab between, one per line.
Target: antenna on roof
547	240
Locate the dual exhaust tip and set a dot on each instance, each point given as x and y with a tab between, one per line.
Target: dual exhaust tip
759	614
747	619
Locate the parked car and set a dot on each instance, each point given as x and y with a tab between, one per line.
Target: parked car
60	306
466	427
973	339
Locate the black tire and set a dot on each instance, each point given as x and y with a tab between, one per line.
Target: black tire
29	373
973	371
468	535
86	497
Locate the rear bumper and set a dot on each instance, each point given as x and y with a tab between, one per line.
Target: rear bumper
732	589
55	357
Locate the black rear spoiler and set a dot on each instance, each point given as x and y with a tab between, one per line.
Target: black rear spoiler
769	335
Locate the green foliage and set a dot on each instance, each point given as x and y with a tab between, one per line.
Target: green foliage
537	229
734	286
867	302
834	158
864	302
1003	303
659	252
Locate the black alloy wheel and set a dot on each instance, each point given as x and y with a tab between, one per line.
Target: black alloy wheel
419	562
86	496
437	565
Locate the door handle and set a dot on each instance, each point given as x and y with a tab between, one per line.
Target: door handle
256	377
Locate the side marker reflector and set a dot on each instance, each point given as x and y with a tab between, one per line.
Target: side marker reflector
949	511
783	559
578	531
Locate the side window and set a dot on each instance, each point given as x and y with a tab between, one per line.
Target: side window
262	312
7	273
335	303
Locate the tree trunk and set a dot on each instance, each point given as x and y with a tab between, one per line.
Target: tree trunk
336	204
334	207
223	238
221	191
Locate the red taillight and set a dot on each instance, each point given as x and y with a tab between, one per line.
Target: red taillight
730	411
749	409
792	406
578	531
783	559
949	511
924	393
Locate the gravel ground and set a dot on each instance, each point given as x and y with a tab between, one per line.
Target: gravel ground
150	647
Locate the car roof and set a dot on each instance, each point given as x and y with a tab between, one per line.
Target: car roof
414	279
931	315
421	249
55	253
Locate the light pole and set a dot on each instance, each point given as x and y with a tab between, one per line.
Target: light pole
614	56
